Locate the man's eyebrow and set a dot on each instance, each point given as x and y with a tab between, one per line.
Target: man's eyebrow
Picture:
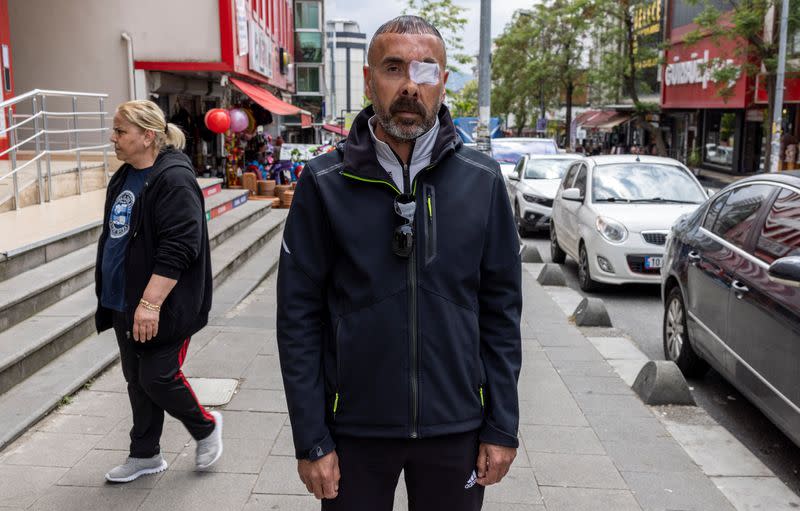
392	60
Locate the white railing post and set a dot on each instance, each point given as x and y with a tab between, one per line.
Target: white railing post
103	141
47	150
77	143
39	177
12	140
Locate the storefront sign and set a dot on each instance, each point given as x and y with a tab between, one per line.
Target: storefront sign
647	37
791	88
260	58
241	26
689	75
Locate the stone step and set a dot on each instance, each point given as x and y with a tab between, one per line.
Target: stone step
30	292
29	345
25	404
224	201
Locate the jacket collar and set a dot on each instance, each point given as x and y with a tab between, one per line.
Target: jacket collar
360	153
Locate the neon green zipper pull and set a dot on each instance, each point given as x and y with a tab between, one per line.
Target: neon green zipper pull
336	403
430	208
480	390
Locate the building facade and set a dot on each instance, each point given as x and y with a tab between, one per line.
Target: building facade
309	56
347	54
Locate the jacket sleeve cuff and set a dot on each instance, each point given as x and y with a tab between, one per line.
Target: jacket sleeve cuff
318	451
167	271
491	435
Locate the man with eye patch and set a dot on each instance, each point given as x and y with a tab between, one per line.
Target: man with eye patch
399	299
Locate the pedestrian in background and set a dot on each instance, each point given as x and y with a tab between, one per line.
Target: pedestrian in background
153	283
399	299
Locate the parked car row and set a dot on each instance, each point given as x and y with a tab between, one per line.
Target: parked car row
728	266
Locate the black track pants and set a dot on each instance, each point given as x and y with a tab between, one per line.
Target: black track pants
438	473
156	384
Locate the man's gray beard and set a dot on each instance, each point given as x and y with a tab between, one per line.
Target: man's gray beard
397	130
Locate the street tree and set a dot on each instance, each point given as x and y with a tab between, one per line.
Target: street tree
619	60
464	103
754	23
449	19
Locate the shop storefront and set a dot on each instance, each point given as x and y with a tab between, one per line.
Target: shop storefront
707	129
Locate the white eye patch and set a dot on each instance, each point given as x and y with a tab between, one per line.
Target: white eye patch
424	72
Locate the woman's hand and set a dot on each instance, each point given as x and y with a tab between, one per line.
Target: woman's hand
145	324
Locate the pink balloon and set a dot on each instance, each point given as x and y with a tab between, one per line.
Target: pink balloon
239	120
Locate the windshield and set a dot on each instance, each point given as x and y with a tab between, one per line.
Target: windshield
547	169
644	182
511	152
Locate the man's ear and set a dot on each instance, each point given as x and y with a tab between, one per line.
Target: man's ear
445	76
367	77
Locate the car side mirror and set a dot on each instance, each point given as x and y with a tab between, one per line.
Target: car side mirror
513	177
786	270
710	191
572	194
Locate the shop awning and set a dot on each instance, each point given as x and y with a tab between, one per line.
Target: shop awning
598	118
614	122
335	129
267	100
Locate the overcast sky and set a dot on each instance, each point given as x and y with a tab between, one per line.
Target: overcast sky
371	14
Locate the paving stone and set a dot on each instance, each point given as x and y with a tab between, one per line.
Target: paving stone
578	470
662	455
99	404
284	445
252	425
264	373
767	493
596	368
628	370
191	491
111	381
668	491
716	451
597	385
619	348
20	486
239	456
255	321
259	400
174	437
81	424
518	486
588	499
505	506
259	502
91	470
50	449
560	439
561	355
627	429
227	356
77	498
608	404
279	476
540	410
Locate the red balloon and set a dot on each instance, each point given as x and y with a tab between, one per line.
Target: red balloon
218	120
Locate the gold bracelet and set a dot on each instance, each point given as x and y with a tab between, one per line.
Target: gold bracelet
149	306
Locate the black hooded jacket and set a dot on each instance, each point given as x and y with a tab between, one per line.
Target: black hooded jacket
169	237
376	345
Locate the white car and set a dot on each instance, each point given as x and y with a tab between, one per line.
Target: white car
532	186
612	215
508	150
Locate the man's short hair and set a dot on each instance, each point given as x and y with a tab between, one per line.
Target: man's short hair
407	24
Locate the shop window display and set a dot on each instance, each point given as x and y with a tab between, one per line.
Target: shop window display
720	138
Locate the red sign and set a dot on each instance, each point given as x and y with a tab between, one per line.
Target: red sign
791	89
688	75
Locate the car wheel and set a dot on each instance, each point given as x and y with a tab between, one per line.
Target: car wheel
677	346
556	254
584	274
518	219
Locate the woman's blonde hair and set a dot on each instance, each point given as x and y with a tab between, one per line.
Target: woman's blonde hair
148	116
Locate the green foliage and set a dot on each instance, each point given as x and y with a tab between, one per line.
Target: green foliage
449	19
464	103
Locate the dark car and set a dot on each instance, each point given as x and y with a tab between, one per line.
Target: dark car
731	292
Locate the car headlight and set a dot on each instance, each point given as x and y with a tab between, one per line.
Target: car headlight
535	198
611	230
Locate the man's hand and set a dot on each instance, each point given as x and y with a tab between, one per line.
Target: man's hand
493	462
145	324
321	477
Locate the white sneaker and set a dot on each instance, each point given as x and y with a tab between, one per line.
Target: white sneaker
134	468
209	449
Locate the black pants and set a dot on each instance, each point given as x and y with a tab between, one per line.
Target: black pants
156	384
438	473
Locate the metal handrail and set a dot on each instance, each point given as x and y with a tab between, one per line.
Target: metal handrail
39	117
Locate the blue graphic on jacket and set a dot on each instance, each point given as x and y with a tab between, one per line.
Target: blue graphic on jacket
120	222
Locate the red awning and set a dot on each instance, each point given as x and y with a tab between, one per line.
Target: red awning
599	118
335	129
267	100
305	121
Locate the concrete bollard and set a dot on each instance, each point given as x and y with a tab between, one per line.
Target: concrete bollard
530	254
552	275
592	312
660	382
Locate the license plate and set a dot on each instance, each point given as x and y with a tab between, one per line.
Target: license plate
653	262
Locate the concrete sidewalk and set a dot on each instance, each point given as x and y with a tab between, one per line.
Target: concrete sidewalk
586	441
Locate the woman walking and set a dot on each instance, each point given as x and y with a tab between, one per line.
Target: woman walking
153	283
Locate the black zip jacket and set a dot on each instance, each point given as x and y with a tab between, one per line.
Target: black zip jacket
375	345
169	237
